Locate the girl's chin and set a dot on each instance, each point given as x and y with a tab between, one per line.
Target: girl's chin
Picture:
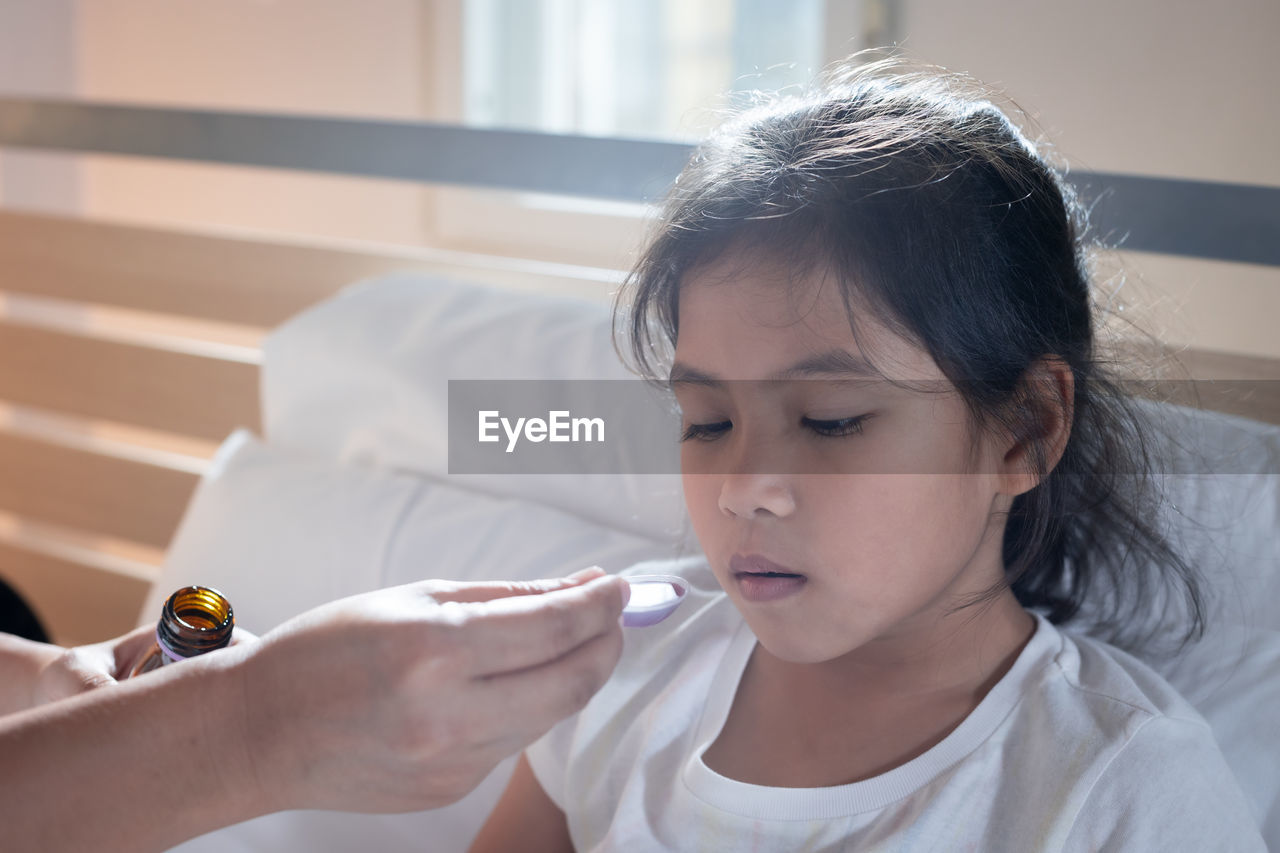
793	642
789	651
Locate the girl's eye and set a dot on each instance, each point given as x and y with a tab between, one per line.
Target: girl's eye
705	432
831	428
835	428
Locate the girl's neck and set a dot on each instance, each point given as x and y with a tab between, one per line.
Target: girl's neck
962	654
959	652
849	719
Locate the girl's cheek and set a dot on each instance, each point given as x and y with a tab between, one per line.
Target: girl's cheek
701	495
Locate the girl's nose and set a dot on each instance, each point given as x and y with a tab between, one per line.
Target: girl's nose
749	495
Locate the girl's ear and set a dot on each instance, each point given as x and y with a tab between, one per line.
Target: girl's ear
1050	390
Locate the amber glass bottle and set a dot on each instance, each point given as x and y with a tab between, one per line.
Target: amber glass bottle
195	620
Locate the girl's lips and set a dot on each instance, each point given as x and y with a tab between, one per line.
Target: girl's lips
755	587
760	579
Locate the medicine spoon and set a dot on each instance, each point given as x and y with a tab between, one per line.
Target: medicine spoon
653	598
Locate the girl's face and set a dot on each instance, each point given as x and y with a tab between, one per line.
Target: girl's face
829	534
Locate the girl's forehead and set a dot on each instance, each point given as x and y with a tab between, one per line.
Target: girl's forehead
756	289
754	319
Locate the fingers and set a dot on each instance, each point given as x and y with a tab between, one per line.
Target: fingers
548	693
240	636
509	634
86	669
489	590
74	671
127	651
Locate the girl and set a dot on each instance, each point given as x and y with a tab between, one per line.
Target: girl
906	468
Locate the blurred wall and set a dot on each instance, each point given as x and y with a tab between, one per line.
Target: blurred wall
38	58
1149	87
1159	87
302	56
306	56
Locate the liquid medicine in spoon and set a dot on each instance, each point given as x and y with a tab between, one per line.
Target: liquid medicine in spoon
653	598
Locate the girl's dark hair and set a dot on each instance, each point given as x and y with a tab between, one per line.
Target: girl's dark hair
940	218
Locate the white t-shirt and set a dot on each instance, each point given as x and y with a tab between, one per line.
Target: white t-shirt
1078	747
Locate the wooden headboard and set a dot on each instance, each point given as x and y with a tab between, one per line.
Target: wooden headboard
127	354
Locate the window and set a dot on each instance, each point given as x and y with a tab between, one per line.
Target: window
629	68
634	68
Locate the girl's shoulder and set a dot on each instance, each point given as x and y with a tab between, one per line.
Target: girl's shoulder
1118	756
1139	748
1111	684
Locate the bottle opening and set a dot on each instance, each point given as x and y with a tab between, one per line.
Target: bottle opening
201	608
196	619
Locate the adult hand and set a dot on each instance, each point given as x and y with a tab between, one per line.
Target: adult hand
405	698
68	671
395	700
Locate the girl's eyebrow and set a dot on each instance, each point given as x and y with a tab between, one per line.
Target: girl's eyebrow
833	362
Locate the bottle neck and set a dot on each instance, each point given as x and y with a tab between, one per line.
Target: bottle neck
195	620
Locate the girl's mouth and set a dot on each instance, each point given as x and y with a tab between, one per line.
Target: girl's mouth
759	579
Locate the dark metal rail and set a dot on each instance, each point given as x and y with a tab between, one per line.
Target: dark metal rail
1231	222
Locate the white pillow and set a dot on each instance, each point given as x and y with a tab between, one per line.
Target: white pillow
297	531
1220	475
363	377
1221	478
280	532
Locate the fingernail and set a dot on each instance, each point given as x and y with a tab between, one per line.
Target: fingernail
626	592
